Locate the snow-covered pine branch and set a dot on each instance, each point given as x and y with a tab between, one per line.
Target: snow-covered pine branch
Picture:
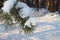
31	21
22	16
25	10
8	5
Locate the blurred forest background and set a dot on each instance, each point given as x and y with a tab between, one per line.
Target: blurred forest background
51	5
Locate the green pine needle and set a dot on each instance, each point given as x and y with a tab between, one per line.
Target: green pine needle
28	29
9	25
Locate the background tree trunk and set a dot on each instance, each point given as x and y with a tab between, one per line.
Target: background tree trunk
59	6
21	0
1	3
43	3
37	4
53	5
51	8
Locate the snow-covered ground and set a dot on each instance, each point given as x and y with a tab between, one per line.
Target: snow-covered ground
48	28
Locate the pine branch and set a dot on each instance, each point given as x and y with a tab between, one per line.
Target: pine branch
9	24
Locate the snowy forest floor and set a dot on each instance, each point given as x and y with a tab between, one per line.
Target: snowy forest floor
48	28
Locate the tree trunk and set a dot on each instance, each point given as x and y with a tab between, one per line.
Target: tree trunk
55	5
37	4
59	6
1	3
21	0
51	7
43	3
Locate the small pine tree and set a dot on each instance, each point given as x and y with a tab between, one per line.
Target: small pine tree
14	16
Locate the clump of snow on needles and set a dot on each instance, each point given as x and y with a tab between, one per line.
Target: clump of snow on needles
8	5
21	5
25	10
31	21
